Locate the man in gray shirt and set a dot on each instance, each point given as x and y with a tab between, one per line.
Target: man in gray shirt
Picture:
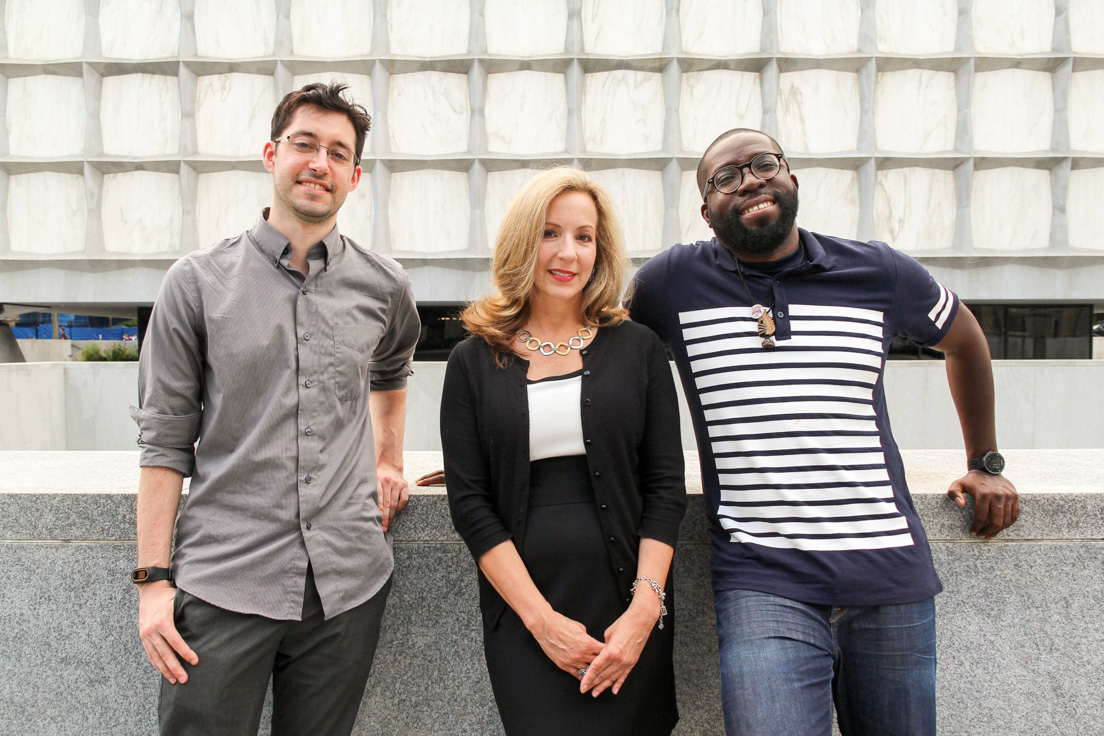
284	352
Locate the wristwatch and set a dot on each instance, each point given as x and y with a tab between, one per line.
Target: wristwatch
141	575
991	462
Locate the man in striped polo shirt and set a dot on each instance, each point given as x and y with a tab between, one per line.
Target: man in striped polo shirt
822	574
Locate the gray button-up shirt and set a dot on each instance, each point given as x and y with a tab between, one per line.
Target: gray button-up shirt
271	374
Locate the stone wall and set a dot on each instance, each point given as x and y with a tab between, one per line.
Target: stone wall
1021	651
1040	404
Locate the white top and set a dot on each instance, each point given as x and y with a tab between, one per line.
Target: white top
555	424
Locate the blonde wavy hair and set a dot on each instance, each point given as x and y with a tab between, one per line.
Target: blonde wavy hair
498	316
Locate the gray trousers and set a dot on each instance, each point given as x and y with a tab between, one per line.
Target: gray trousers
318	668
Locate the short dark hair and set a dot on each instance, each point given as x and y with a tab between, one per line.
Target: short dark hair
328	97
703	174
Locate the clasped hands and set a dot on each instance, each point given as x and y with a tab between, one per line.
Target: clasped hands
605	666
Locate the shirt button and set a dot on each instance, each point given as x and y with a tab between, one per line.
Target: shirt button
777	283
308	526
306	335
613	539
308	383
586	402
586	373
584	352
597	474
589	441
620	569
603	507
308	431
304	291
781	313
308	479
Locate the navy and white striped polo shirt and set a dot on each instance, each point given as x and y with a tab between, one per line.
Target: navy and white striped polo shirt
803	481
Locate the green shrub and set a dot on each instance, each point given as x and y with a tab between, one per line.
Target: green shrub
95	351
121	352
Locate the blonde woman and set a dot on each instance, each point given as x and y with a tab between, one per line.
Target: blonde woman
560	432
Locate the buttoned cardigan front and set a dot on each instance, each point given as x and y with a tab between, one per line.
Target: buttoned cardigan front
630	422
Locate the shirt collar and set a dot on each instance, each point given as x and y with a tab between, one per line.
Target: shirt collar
273	243
815	255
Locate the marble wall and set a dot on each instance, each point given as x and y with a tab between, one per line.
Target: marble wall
526	112
1012	209
944	126
830	201
623	112
532	28
1013	26
158	19
914	208
227	202
1086	216
331	30
818	27
915	111
910	27
140	115
141	213
34	127
245	99
62	195
1012	111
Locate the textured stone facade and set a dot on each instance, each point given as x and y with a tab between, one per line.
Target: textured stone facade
962	131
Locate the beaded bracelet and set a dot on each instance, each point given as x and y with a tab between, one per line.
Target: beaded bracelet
658	591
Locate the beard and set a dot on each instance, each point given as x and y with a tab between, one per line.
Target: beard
304	209
757	241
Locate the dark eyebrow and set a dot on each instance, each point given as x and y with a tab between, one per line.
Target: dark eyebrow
309	134
745	163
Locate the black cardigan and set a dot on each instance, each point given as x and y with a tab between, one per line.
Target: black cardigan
631	433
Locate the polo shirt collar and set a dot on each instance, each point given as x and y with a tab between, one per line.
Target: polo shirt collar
273	243
815	254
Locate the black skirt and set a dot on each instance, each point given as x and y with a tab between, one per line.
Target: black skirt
565	553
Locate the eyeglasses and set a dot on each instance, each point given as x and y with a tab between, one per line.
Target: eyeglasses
308	146
727	179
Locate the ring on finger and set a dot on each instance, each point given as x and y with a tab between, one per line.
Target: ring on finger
582	672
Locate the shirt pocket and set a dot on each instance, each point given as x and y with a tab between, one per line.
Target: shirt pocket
353	348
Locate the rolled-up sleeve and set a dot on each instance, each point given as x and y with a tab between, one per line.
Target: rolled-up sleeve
170	376
662	477
392	361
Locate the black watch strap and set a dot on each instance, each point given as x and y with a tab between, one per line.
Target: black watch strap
141	575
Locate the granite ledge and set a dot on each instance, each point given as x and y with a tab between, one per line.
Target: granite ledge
89	496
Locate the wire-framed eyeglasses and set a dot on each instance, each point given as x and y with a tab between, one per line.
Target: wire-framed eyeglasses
728	179
308	146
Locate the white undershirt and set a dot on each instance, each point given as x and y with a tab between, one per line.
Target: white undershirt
555	424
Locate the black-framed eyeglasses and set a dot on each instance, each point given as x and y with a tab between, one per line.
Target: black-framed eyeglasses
728	179
308	146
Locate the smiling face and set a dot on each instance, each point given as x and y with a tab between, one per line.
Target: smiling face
312	187
568	248
757	221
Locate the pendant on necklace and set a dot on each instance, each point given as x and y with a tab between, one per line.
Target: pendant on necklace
766	324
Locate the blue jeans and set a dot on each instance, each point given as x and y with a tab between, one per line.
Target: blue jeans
784	663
